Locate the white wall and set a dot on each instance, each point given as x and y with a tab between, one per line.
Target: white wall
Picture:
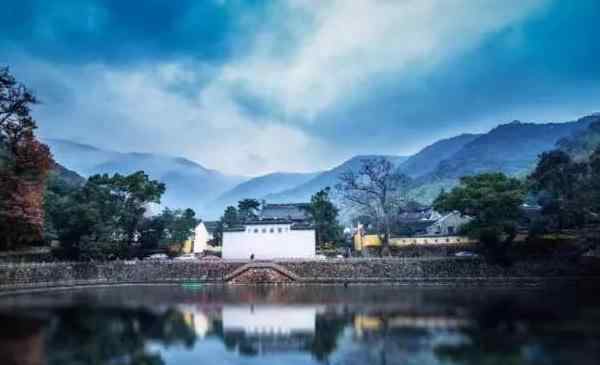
266	246
201	237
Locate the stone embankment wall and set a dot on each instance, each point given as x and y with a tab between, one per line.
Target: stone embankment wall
410	271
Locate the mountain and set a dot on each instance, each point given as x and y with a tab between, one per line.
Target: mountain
261	186
189	185
303	192
427	159
511	148
582	143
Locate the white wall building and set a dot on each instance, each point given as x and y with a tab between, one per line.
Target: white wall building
449	224
270	239
201	238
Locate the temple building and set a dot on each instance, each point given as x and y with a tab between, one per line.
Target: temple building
278	231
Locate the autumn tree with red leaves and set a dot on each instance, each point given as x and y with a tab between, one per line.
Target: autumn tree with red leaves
24	167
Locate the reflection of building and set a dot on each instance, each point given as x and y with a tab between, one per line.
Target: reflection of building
268	319
267	329
280	231
196	320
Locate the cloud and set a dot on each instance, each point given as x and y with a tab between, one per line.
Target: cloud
344	44
137	110
255	87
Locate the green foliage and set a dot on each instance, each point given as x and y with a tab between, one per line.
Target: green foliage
493	200
247	209
231	217
569	191
559	182
107	210
169	227
324	216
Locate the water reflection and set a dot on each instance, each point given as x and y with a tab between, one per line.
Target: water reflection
307	326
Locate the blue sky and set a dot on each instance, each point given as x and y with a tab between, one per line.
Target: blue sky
250	87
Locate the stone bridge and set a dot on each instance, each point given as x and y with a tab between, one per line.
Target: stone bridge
261	273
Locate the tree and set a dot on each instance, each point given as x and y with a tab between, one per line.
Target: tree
230	217
168	227
493	200
131	194
24	166
247	209
560	183
376	190
324	215
105	214
571	195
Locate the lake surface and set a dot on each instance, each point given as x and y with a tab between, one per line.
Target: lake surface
154	325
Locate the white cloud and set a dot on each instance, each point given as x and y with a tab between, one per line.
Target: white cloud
137	110
311	57
345	43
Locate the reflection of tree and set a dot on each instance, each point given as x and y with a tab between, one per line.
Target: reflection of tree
502	332
327	331
119	336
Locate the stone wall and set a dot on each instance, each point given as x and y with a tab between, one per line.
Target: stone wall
438	270
399	269
83	273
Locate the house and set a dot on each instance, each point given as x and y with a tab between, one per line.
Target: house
428	227
204	234
448	225
414	220
279	231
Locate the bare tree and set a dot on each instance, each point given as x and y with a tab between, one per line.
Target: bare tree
378	190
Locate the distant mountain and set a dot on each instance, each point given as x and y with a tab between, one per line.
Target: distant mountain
426	160
583	142
261	186
189	184
511	148
68	177
303	192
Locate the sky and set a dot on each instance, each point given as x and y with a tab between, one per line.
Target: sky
252	87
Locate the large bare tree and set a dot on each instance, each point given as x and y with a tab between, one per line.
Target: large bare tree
377	190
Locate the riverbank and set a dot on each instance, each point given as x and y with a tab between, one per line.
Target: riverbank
413	271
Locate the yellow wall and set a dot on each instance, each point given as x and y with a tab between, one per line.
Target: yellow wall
187	246
372	240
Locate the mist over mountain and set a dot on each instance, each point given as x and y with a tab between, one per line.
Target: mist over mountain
582	143
511	148
189	184
329	178
262	186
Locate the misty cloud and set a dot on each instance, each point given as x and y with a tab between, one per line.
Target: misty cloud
254	87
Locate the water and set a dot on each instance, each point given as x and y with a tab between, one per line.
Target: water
154	325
